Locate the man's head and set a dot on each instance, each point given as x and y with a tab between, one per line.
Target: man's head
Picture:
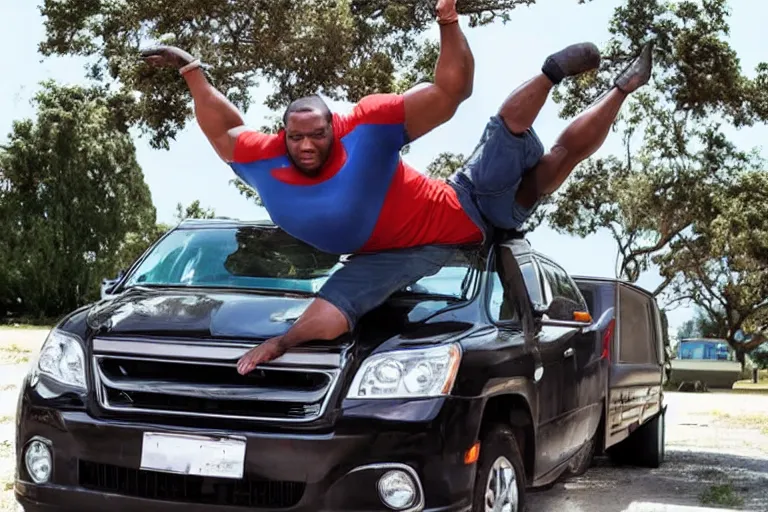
308	133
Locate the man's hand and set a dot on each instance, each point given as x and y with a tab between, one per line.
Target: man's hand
446	12
264	353
167	56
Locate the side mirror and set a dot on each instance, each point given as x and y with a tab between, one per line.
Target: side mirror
601	323
107	285
562	308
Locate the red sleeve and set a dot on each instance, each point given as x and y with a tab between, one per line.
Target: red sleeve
251	145
379	109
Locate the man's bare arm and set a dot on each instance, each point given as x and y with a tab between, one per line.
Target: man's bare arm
219	119
428	106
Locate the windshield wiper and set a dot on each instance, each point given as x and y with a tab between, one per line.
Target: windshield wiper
426	296
263	291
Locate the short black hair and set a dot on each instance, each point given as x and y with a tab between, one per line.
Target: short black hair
313	103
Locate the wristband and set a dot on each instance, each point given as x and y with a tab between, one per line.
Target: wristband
189	67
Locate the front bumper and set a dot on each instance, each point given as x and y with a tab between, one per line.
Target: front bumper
96	463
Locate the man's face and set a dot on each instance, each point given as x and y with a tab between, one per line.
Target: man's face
308	137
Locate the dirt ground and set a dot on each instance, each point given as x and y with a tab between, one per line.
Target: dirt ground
717	452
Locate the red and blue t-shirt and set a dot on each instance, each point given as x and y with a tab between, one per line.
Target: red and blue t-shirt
365	198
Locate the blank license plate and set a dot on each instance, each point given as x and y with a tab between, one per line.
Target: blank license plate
194	455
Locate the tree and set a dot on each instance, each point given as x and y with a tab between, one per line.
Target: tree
70	191
721	266
193	211
375	47
676	158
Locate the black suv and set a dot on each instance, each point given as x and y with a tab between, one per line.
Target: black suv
457	394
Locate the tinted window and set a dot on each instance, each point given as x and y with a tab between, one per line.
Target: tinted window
532	282
499	307
560	283
637	339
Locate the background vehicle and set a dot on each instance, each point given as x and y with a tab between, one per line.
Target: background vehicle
710	361
633	344
456	394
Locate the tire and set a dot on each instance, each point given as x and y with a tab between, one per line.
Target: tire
645	447
499	452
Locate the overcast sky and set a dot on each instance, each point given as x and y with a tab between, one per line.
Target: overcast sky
505	56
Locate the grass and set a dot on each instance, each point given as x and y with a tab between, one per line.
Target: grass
752	421
14	354
7	500
722	495
6	419
24	327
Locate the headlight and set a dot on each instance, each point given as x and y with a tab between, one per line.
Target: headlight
61	359
407	373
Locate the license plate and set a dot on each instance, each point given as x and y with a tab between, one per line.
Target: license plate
194	455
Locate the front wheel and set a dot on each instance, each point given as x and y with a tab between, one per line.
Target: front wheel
500	481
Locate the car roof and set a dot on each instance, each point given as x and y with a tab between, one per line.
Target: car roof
611	280
225	222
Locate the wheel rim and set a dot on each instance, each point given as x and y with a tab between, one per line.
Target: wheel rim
501	488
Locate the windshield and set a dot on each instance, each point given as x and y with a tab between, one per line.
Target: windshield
253	257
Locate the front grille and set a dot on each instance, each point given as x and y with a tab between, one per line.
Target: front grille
189	488
169	383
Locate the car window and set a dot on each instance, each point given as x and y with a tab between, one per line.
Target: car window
532	282
637	337
500	309
561	284
450	281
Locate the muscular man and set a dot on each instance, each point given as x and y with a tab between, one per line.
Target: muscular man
337	181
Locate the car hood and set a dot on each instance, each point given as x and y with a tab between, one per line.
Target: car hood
197	313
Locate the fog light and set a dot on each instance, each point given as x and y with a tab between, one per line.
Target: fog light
397	490
38	461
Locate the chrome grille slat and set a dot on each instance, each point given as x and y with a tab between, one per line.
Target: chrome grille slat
170	382
220	351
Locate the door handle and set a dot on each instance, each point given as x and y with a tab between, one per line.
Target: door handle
568	353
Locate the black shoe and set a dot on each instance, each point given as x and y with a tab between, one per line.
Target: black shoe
570	61
638	73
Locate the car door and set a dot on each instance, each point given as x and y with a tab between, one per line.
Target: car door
580	401
548	350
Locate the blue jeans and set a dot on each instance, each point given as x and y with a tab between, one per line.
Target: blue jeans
486	186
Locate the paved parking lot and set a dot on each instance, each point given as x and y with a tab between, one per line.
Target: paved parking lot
717	448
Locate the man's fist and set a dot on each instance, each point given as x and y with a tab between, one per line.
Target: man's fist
167	56
446	12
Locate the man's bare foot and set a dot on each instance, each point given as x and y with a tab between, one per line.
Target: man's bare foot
570	61
638	73
264	353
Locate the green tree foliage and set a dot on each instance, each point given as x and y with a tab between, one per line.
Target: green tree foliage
677	195
193	211
721	266
701	326
344	49
70	192
676	156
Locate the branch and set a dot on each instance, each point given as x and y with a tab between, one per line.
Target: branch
757	340
661	287
663	241
709	286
